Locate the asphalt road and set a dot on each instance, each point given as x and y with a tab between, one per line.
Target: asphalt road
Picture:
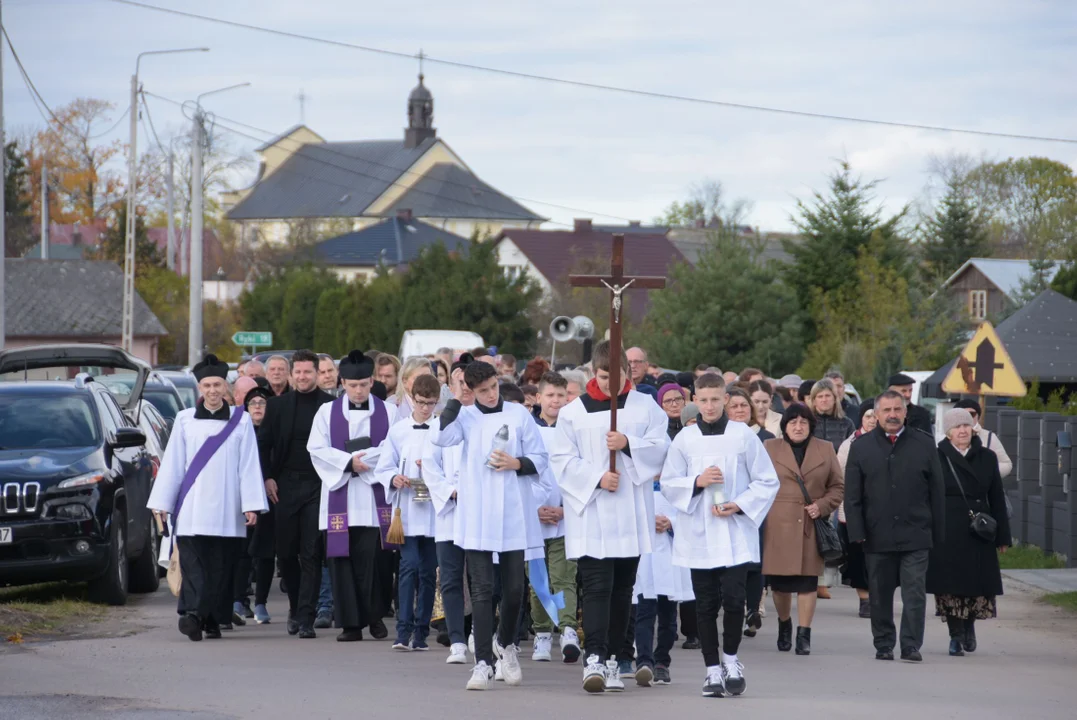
1025	668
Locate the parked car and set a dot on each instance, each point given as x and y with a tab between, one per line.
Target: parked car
75	474
266	354
185	385
158	389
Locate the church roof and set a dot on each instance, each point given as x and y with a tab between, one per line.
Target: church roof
395	241
449	191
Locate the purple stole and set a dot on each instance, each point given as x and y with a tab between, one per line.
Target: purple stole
337	511
202	458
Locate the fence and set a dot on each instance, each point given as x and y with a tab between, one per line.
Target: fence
1041	485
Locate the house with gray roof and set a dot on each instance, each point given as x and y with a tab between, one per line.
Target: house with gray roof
303	177
73	301
990	287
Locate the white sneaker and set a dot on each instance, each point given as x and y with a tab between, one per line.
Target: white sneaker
714	684
457	654
510	665
499	675
543	648
594	675
614	683
570	645
471	643
733	672
480	677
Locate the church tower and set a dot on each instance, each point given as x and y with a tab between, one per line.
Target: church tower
420	116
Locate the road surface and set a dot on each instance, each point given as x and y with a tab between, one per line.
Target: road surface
1026	668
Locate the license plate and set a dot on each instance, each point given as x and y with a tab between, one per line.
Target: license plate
6	536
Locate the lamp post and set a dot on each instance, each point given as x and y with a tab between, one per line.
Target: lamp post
194	276
127	333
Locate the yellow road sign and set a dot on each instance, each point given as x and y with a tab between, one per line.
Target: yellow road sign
984	368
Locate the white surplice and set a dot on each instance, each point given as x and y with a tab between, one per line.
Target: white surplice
657	575
230	484
599	523
334	466
441	471
548	492
495	510
703	541
401	449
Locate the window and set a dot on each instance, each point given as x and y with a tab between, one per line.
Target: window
978	304
46	421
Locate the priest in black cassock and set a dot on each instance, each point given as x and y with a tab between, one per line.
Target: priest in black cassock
210	483
293	485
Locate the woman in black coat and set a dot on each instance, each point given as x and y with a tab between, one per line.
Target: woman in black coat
963	572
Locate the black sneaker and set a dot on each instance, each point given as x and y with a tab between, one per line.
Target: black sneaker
661	675
323	620
691	643
307	633
293	624
911	656
884	655
350	635
248	613
378	631
865	609
191	626
714	685
644	675
213	632
226	626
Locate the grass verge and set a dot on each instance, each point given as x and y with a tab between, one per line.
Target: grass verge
1064	600
47	609
1029	557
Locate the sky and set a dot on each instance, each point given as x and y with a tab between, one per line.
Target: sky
565	152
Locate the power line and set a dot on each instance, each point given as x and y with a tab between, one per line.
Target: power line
599	86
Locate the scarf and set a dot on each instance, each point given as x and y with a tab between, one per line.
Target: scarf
596	394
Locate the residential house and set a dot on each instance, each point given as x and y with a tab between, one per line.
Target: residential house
71	241
74	301
390	243
692	240
989	287
303	178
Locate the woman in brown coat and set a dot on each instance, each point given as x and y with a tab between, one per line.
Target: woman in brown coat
791	560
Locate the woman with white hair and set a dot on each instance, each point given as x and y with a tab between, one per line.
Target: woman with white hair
963	571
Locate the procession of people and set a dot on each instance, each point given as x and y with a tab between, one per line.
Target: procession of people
438	492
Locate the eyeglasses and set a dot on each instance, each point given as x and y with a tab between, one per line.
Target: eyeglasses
673	402
425	403
256	404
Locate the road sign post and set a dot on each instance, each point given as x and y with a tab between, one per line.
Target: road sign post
253	339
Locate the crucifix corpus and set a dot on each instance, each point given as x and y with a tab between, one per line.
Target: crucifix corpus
616	282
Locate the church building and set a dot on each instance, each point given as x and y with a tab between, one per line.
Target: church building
302	178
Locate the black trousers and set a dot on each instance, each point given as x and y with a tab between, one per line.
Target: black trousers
242	575
607	603
385	581
885	572
689	626
482	569
720	589
754	587
353	579
300	544
627	653
207	564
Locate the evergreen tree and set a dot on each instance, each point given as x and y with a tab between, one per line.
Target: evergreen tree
114	243
731	309
19	232
1065	281
955	232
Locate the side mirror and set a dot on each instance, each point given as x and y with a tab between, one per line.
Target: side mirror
128	438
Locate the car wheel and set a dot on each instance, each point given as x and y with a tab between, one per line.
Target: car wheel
111	587
143	569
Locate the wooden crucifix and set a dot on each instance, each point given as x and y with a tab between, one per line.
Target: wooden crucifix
617	282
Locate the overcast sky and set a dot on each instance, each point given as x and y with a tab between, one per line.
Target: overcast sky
1006	66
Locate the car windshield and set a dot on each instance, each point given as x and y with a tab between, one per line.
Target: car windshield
46	420
188	394
163	399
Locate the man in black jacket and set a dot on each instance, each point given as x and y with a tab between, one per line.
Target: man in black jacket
295	488
915	416
895	505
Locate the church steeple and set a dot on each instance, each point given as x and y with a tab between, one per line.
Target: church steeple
420	113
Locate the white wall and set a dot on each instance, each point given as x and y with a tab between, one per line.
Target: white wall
513	260
222	291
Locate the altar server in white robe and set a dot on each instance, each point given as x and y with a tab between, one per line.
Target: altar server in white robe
719	476
441	470
345	444
609	516
400	462
210	481
495	510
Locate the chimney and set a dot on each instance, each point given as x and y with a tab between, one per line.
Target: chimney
581	225
404	215
634	223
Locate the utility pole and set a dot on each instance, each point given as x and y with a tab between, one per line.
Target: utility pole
171	257
44	211
3	185
194	277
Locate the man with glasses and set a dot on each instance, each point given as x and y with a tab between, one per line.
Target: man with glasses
637	370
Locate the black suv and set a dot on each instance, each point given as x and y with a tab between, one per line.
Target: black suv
75	474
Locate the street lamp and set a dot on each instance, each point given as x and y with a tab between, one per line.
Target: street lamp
127	332
194	276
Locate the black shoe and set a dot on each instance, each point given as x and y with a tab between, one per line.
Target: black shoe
785	635
970	636
191	626
955	647
884	655
282	586
238	620
752	623
306	632
293	624
323	620
248	613
226	626
213	632
378	631
803	640
350	635
957	635
691	643
443	638
912	656
661	675
865	608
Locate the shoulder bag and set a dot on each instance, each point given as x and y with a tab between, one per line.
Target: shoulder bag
981	524
826	535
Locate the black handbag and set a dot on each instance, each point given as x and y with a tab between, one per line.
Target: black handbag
981	524
827	540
